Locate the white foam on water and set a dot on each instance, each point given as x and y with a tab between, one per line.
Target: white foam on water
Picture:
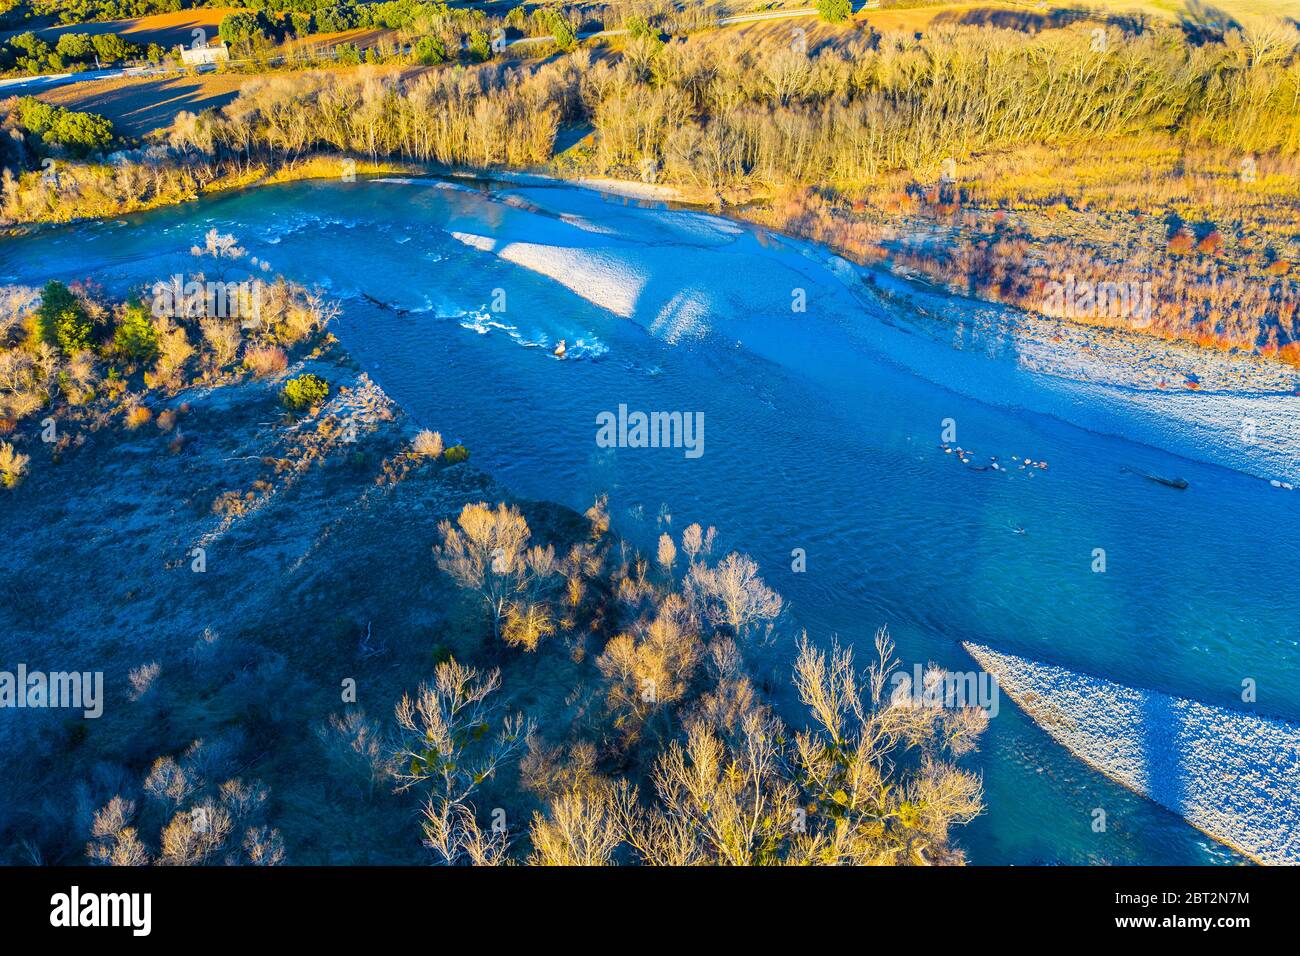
693	287
428	183
482	243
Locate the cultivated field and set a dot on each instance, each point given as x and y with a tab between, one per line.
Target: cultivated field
166	29
137	105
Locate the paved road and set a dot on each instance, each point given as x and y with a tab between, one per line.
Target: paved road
36	84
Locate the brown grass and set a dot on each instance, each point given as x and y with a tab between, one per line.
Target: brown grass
167	29
265	361
137	105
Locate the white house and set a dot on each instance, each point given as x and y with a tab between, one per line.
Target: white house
195	55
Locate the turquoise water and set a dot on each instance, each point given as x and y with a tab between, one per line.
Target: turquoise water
814	439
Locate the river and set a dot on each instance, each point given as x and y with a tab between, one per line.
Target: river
822	433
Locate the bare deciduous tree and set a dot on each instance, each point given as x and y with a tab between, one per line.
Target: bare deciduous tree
485	551
449	743
733	594
582	827
356	744
115	842
867	808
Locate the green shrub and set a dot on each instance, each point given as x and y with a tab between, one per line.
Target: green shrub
79	132
430	51
565	36
75	46
62	319
480	47
834	11
455	454
336	17
111	48
639	27
238	29
304	392
136	339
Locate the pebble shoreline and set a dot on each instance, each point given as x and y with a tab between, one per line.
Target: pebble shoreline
1230	774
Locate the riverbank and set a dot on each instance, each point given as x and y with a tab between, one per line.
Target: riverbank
243	599
87	192
1235	410
1228	773
281	579
1041	343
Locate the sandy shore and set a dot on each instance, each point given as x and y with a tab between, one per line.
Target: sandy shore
1228	773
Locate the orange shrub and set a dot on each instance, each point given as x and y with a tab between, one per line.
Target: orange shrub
1181	243
138	415
1290	353
267	360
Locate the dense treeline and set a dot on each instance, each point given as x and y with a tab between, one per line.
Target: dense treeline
34	54
89	11
714	114
720	118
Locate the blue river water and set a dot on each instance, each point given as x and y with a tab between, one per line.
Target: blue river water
814	439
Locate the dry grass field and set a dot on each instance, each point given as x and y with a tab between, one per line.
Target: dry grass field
166	29
137	105
1194	8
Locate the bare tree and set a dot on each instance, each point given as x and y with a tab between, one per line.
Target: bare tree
115	842
448	743
866	807
356	744
696	542
485	551
733	594
582	827
729	803
650	667
667	555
